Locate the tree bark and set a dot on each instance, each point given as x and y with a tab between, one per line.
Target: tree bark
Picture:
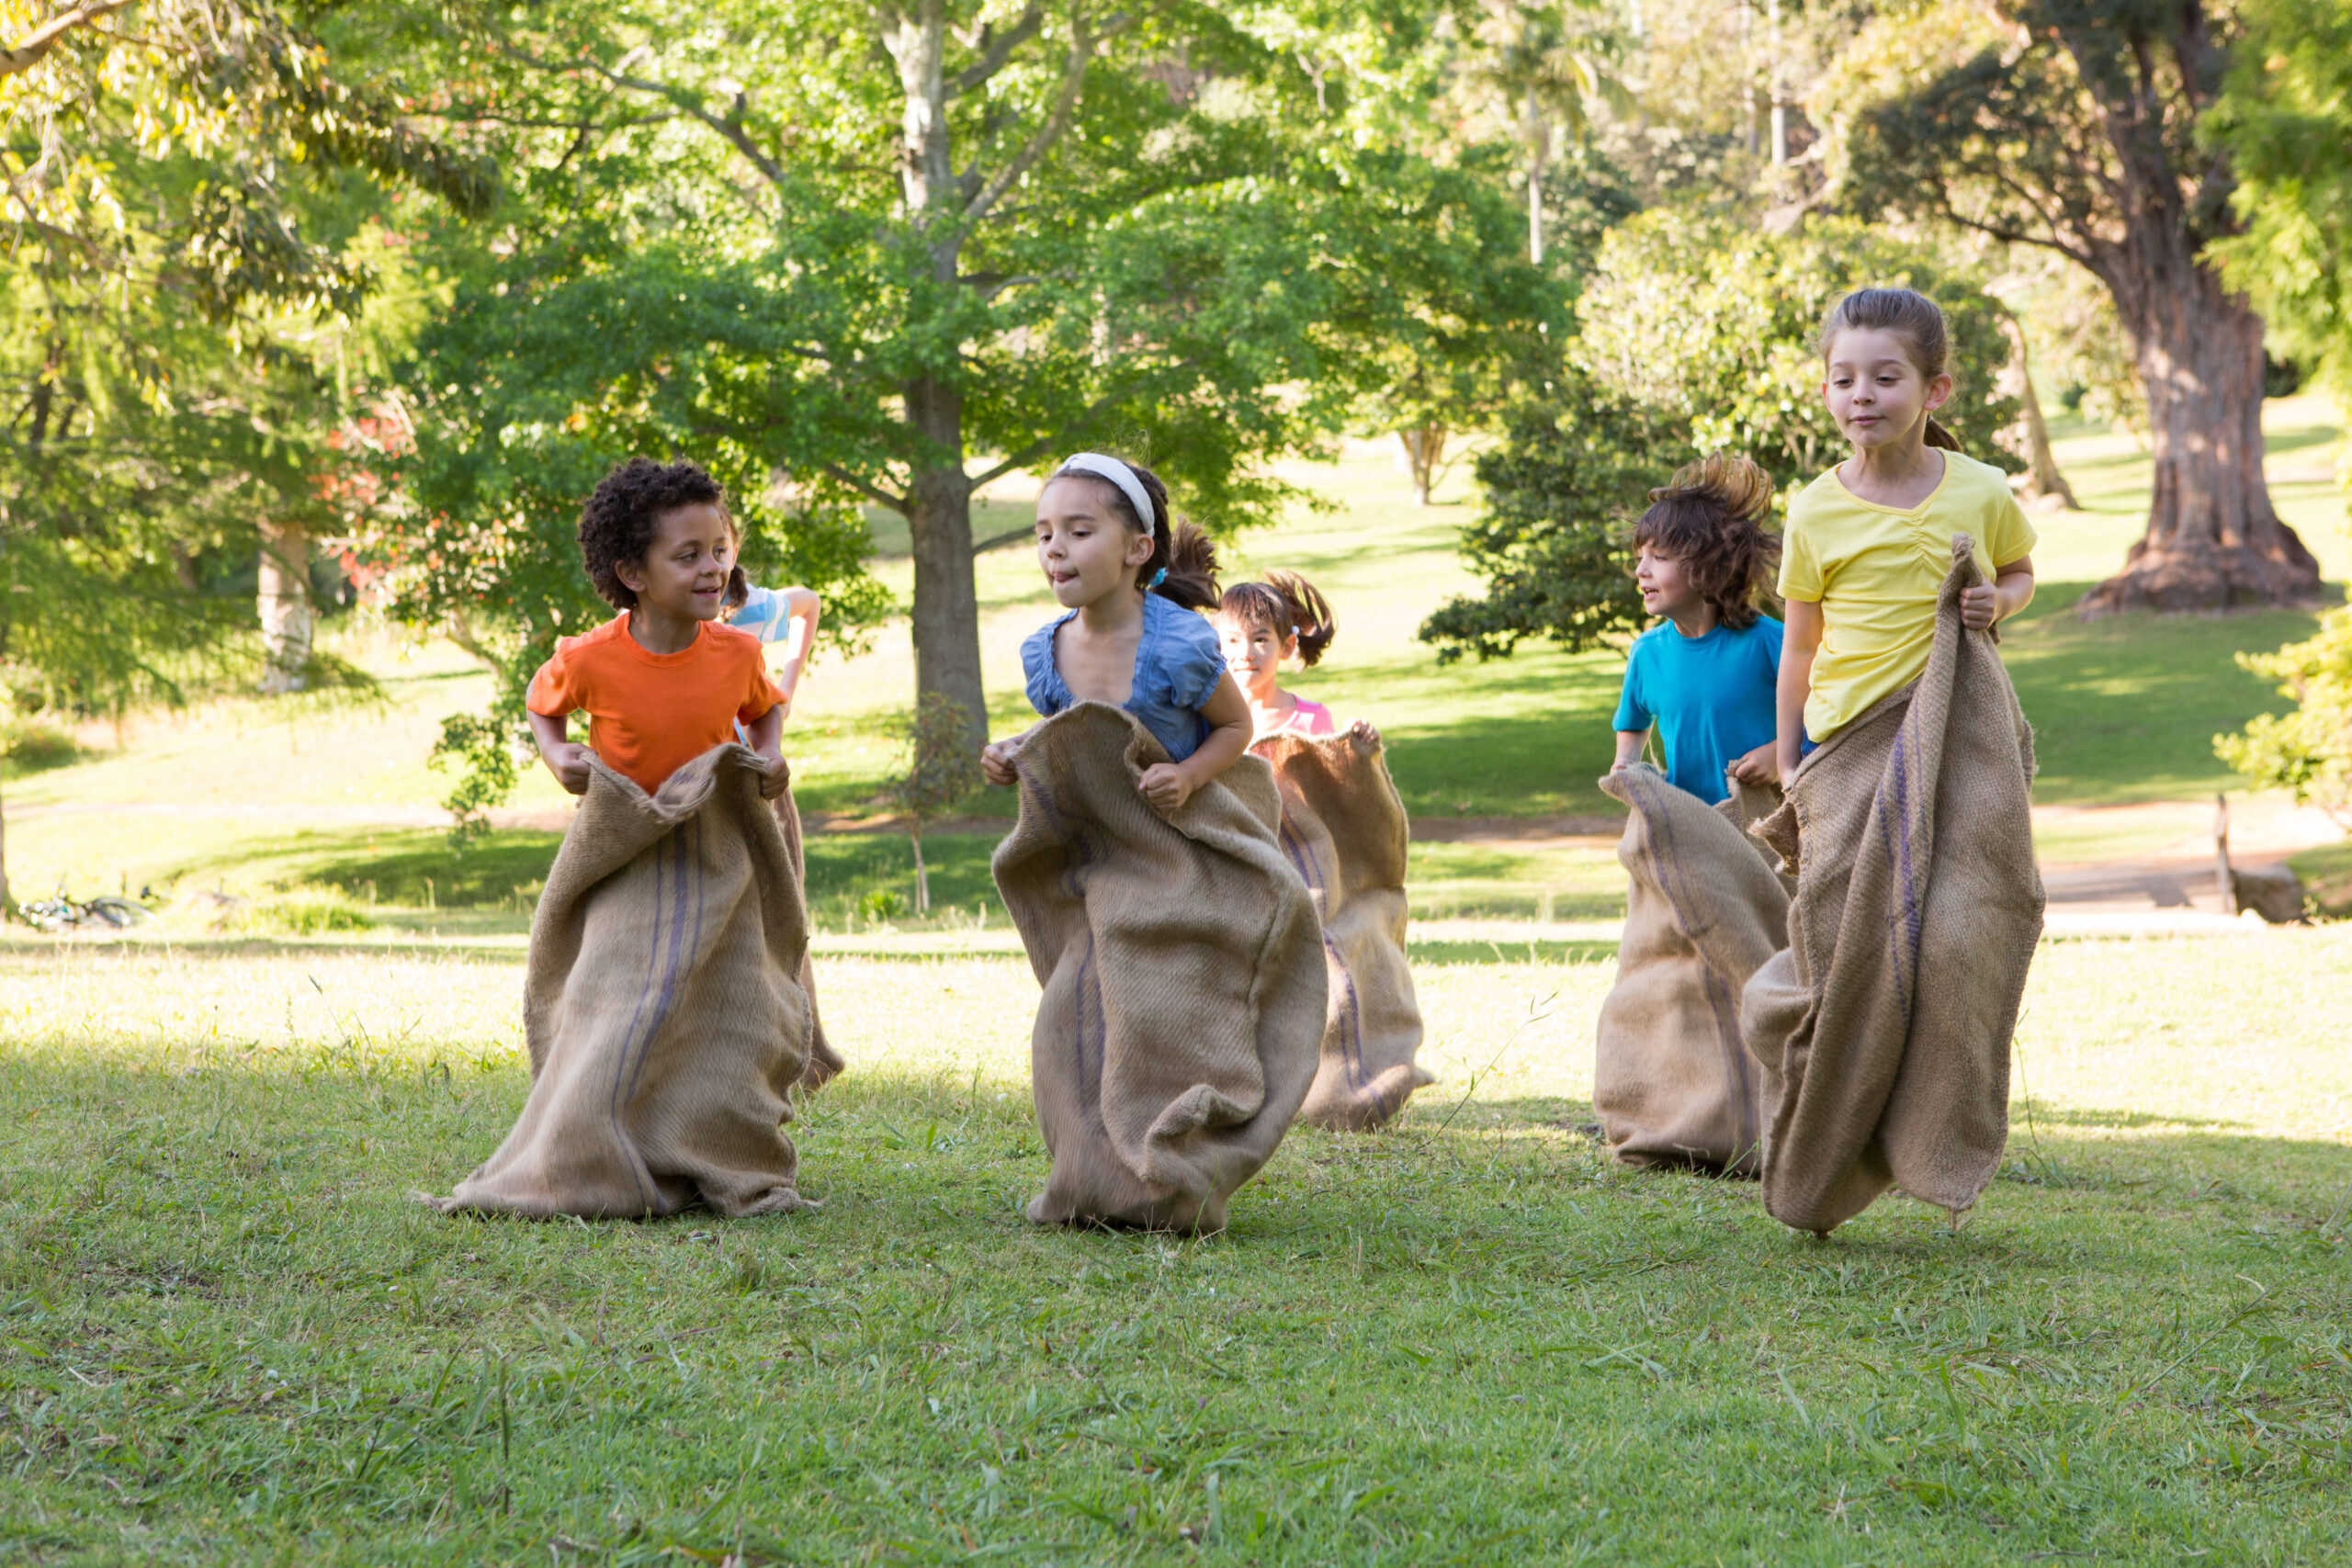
2043	480
284	595
1424	447
946	612
2214	542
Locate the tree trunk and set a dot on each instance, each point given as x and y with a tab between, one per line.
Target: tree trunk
939	515
285	603
923	877
2213	540
1538	132
1424	447
2043	482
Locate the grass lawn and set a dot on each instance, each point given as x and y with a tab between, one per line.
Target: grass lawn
229	1337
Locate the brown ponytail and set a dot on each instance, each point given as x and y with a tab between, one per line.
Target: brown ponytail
1938	437
1190	560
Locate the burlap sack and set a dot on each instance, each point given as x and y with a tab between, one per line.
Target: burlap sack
1672	1083
1182	973
1343	829
1883	1029
666	1023
825	1064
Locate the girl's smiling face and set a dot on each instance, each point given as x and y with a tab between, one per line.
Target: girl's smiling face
1254	654
1087	552
683	573
1874	390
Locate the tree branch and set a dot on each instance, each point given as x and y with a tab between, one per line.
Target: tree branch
996	48
1081	49
1038	448
728	125
872	492
29	51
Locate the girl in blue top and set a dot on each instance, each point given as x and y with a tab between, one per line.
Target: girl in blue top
1706	677
1130	581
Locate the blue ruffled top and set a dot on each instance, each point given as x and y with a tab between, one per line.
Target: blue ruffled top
1177	666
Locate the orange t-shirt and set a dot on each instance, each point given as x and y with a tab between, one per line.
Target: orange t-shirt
651	713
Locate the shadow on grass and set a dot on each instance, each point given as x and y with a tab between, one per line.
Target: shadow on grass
2126	709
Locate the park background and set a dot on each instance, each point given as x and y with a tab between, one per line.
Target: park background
323	319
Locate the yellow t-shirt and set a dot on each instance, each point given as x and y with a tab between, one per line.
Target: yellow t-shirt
1875	570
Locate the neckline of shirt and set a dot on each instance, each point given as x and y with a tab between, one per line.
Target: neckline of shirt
1838	478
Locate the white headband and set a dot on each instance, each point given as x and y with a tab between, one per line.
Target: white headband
1119	474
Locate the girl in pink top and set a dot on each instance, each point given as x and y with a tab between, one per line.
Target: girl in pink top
1263	624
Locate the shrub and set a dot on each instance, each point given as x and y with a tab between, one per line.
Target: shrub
2307	752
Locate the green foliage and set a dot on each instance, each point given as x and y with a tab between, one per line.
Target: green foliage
2285	123
1698	335
1550	541
942	768
1714	327
2309	750
483	746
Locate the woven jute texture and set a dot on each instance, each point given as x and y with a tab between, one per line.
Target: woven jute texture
1343	829
1883	1031
825	1064
661	1004
1672	1082
1183	971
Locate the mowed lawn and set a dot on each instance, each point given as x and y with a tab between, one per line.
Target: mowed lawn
231	1337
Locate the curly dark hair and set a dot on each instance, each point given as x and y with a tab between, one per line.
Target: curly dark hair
1711	519
621	518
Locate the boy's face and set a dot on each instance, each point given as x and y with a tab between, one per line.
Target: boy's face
1253	653
1874	391
1087	553
684	574
1665	586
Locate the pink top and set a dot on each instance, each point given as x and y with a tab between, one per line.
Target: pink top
1307	719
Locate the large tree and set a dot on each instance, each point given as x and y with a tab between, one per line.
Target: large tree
2072	125
894	253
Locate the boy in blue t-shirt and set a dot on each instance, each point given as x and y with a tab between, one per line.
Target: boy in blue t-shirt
1706	677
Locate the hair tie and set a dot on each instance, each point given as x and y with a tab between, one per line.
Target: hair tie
1157	578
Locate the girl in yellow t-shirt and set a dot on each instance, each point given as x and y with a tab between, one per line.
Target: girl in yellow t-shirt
1869	543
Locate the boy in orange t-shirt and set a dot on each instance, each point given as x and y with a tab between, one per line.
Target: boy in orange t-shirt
662	681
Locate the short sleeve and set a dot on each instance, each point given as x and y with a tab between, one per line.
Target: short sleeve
1047	694
1194	660
1633	716
2008	538
1800	563
761	615
760	693
553	691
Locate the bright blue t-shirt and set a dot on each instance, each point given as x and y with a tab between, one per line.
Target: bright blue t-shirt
1178	663
1710	697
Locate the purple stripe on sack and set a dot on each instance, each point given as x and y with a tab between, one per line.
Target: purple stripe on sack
1090	1037
681	949
630	1042
1666	867
1902	922
1310	871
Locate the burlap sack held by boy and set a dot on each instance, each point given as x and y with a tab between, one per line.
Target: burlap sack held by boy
1183	971
1883	1030
1673	1084
662	1005
1343	829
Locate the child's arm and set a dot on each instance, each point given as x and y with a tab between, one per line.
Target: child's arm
565	759
2010	590
801	608
1629	748
1800	640
1170	784
765	733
